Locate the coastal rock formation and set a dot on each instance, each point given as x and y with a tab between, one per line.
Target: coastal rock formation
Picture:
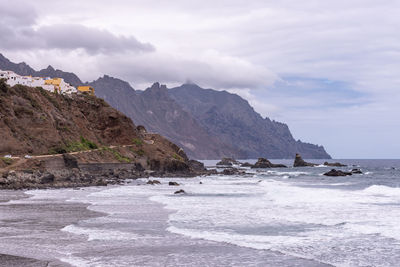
227	162
336	164
299	162
264	163
173	184
356	171
334	172
233	171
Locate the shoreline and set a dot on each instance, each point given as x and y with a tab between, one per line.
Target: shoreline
136	234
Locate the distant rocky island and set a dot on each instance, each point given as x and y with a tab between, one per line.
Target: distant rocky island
206	123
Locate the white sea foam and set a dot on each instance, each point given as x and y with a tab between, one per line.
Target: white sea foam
99	234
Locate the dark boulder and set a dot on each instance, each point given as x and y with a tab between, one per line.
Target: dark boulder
153	182
356	171
299	162
264	163
181	191
335	164
228	162
70	161
233	171
334	172
246	164
196	165
47	178
173	183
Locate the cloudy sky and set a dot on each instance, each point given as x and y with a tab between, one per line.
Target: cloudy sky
328	68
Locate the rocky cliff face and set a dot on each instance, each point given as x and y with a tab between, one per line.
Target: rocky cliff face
234	121
159	113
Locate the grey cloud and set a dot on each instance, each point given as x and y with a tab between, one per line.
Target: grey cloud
18	32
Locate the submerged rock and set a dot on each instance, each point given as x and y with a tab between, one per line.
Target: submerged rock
299	162
173	183
335	164
246	164
334	172
264	163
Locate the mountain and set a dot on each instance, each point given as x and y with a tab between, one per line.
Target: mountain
234	121
207	123
25	70
159	113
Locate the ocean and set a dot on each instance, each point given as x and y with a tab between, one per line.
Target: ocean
270	217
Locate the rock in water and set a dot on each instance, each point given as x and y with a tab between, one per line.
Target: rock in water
173	183
334	172
336	164
228	162
264	163
299	162
180	192
153	182
356	171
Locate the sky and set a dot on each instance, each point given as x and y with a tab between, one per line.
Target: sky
329	69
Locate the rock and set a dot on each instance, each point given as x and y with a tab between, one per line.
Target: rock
334	172
173	183
181	191
228	162
356	171
335	164
70	161
196	165
299	162
233	171
264	163
47	178
246	164
201	182
153	182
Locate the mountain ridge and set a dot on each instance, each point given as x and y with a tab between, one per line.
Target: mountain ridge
207	123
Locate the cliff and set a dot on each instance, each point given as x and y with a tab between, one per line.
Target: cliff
234	121
48	127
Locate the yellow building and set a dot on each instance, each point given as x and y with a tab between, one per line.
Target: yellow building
86	89
56	82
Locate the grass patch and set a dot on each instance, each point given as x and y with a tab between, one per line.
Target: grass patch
177	157
81	145
117	155
137	141
7	161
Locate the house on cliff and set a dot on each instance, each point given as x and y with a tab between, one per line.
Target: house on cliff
56	85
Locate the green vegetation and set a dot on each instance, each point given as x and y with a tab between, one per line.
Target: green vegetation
81	145
117	155
7	161
177	157
137	141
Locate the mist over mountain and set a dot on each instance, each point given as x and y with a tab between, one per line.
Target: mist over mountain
207	123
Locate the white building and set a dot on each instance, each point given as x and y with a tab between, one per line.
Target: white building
53	85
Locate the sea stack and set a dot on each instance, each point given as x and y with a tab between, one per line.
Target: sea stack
264	163
299	162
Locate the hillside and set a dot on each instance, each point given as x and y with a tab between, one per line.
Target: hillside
36	122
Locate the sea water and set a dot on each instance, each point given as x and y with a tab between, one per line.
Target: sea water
269	217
